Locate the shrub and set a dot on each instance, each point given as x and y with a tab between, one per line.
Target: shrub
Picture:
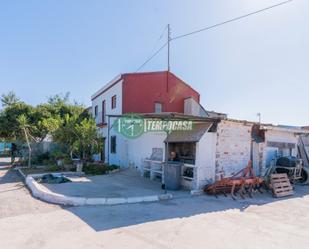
53	168
58	155
98	168
68	160
41	158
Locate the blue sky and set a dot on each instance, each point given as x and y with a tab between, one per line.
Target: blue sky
259	64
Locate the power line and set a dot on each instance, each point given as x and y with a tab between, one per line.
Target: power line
155	44
207	28
231	20
150	58
160	37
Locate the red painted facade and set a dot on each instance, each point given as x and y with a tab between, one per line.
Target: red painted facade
141	91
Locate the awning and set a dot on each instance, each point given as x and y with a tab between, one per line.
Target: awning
193	135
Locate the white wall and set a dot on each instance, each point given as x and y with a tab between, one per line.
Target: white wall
233	147
141	147
205	159
192	107
107	96
130	152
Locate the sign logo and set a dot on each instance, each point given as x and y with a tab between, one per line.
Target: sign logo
133	125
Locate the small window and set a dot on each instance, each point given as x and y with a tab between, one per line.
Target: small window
96	111
114	102
113	144
158	107
103	112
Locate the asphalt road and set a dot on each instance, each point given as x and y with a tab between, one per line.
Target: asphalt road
199	222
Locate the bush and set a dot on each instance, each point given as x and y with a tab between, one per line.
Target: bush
53	168
41	158
58	155
98	168
67	161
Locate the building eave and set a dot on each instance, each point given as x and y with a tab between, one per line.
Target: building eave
107	86
293	130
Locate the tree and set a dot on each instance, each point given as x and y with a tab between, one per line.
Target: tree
23	123
9	99
59	99
80	134
68	123
42	120
9	125
88	139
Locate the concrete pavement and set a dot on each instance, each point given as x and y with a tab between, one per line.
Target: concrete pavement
5	162
124	187
126	183
184	223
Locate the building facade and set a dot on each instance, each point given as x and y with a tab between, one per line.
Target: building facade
154	92
215	148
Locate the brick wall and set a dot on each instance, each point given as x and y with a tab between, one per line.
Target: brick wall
233	147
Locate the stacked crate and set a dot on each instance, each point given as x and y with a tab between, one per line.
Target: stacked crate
281	185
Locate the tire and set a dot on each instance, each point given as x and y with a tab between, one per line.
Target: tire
305	175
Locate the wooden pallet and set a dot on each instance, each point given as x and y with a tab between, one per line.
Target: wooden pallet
281	185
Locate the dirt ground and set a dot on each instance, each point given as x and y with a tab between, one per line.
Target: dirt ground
15	198
182	223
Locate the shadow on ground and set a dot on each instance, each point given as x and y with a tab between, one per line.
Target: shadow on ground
9	176
111	217
103	218
11	180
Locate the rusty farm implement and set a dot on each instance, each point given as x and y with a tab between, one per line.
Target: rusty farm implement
243	182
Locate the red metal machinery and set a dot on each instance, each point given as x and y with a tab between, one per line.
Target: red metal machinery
243	181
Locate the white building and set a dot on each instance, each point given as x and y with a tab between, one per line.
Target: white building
153	92
216	147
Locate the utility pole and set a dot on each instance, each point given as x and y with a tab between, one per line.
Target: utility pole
168	46
168	55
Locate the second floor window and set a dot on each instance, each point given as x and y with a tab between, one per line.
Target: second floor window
95	111
158	107
114	99
103	112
